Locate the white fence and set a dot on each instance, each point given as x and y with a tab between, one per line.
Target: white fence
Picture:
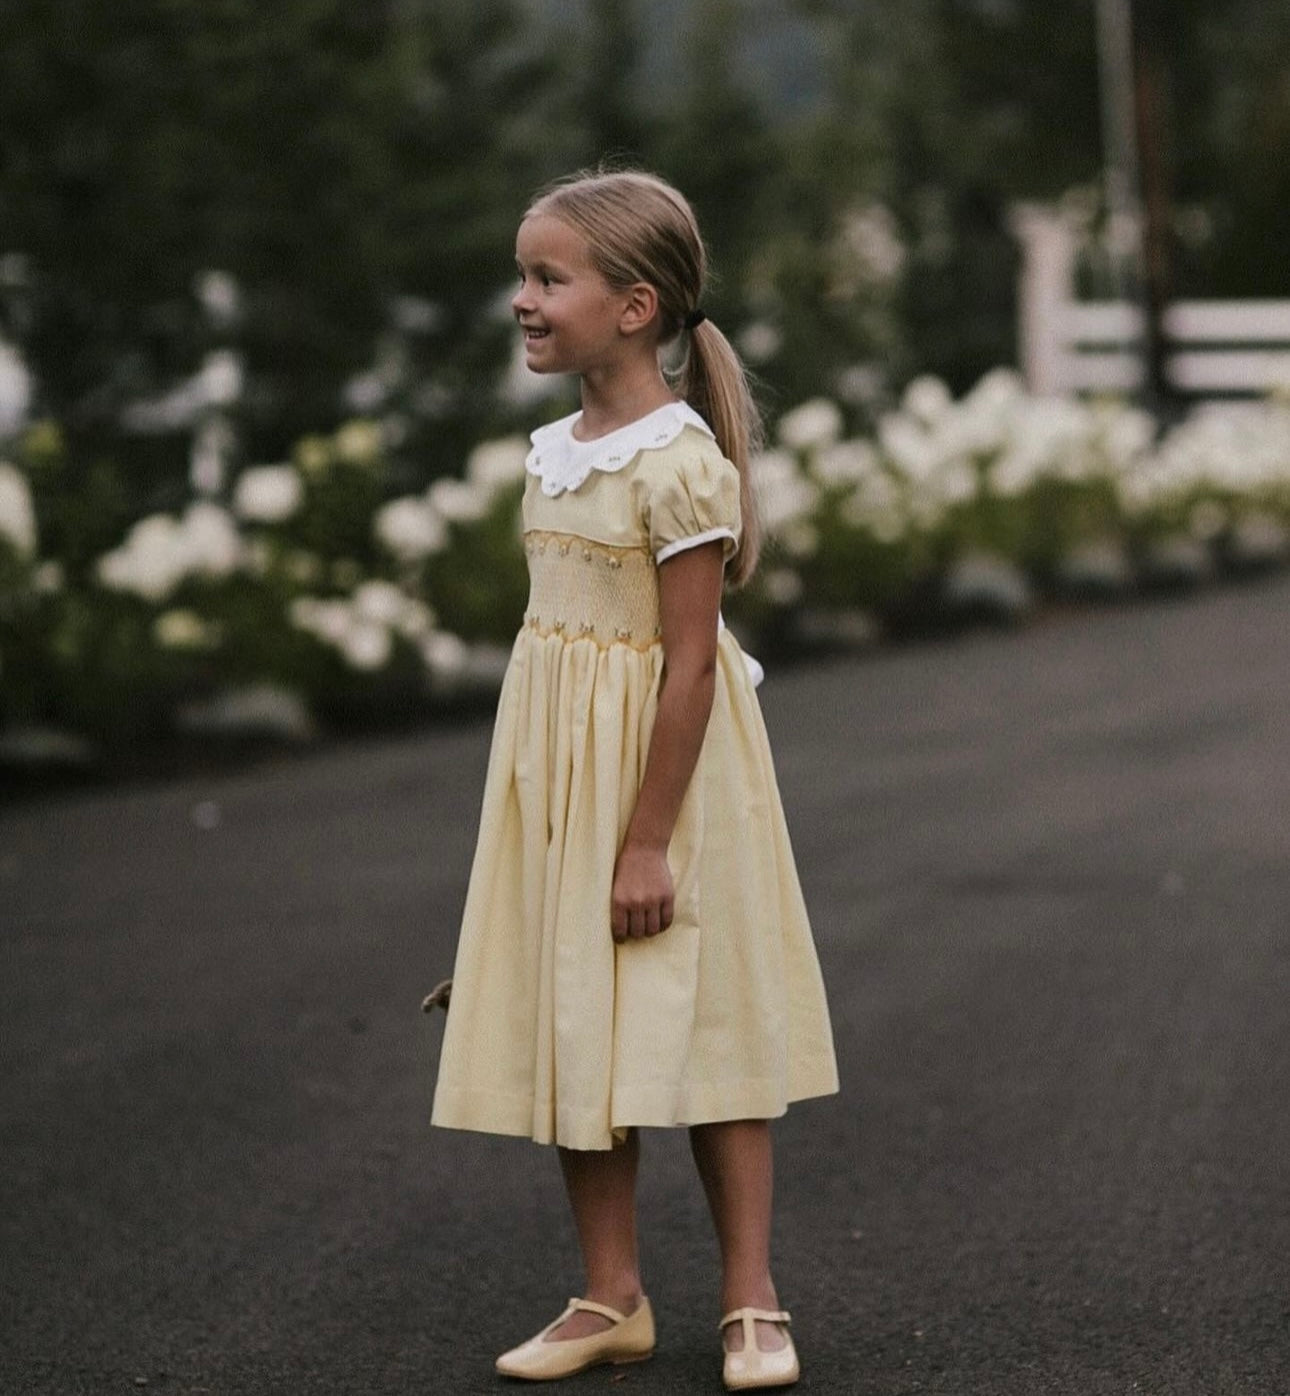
1212	347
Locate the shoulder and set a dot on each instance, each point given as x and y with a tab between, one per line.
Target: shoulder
690	461
687	492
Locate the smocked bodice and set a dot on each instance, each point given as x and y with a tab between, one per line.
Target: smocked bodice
585	590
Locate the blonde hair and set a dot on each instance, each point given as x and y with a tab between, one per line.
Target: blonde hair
639	228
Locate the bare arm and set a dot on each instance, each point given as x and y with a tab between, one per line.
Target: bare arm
689	587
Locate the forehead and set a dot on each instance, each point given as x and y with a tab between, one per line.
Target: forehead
544	238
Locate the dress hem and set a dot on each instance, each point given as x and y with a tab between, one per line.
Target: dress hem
517	1116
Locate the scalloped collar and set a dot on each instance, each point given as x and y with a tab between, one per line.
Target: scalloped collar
562	462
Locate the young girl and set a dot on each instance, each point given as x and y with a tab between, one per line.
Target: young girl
634	948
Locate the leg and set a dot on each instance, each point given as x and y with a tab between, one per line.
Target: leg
735	1164
602	1194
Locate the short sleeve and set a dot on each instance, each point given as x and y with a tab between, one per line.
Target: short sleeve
694	499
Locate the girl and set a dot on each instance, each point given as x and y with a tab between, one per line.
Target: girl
634	948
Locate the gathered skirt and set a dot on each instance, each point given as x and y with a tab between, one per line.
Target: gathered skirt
557	1032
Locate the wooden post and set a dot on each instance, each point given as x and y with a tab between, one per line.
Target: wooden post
1150	110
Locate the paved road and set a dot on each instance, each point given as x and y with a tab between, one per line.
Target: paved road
1049	878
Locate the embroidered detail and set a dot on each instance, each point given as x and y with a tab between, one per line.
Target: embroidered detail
588	632
537	540
562	462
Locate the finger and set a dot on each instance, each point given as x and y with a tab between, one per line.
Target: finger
637	922
666	911
652	923
618	922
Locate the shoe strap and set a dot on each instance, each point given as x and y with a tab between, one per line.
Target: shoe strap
761	1315
592	1307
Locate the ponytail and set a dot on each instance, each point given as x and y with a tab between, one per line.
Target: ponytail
713	382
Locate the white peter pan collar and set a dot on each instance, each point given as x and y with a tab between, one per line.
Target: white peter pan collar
562	462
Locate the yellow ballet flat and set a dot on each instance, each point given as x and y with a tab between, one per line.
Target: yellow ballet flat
631	1339
753	1367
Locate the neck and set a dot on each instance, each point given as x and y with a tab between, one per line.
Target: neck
610	402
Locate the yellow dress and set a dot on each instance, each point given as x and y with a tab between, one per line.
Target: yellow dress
555	1031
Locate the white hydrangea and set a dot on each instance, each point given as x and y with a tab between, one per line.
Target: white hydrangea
325	620
17	513
161	551
845	462
210	542
868	250
877	504
219	294
783	586
410	528
493	465
1125	433
927	399
458	501
759	342
800	538
907	445
268	493
365	645
220	378
382	603
1237	449
980	423
445	655
784	493
363	626
15	390
1015	471
811	426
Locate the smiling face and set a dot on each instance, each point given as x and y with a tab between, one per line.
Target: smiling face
573	320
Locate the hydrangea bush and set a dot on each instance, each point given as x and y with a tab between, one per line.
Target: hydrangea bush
311	591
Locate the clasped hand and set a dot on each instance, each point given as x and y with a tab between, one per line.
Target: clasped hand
642	899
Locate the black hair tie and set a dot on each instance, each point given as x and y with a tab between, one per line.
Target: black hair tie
695	318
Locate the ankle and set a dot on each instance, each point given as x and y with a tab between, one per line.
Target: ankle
746	1293
624	1293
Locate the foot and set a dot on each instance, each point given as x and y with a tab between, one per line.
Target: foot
770	1336
582	1323
750	1362
624	1338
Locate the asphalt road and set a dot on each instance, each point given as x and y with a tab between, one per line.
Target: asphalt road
1048	873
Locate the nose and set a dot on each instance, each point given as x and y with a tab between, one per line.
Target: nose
522	300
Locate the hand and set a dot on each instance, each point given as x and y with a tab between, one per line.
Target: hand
641	901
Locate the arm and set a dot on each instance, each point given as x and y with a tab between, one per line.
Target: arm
689	589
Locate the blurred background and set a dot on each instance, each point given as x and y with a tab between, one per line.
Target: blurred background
1011	277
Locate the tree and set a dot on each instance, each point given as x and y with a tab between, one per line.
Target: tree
148	141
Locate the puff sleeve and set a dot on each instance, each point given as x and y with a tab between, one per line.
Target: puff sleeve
694	499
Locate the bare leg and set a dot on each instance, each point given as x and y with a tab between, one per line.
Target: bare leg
602	1194
735	1163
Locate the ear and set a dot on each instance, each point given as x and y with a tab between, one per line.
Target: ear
640	308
